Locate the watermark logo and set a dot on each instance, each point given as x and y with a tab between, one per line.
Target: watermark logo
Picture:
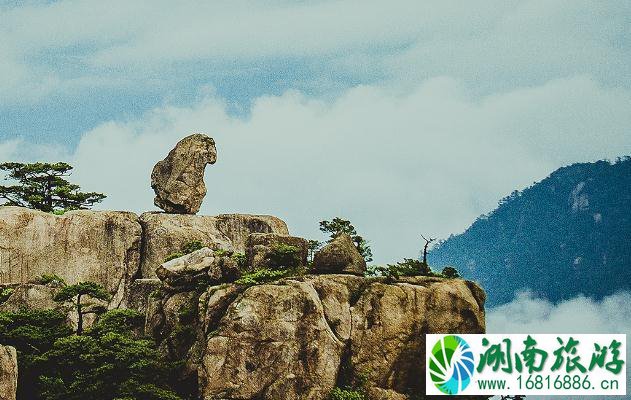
451	364
526	364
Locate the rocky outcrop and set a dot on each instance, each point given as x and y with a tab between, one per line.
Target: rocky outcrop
98	246
109	247
300	337
178	180
30	296
269	250
204	266
8	373
339	256
165	234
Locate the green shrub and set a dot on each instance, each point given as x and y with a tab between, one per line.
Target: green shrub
347	394
53	279
285	255
111	360
32	333
187	313
192	246
121	321
5	294
240	259
221	252
450	272
173	256
182	335
102	366
156	294
186	248
261	276
407	267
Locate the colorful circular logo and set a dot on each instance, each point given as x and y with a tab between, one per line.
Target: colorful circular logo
451	364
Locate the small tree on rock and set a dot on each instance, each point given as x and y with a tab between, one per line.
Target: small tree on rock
337	226
77	293
42	186
451	272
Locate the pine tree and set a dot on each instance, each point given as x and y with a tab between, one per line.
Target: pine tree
75	293
42	186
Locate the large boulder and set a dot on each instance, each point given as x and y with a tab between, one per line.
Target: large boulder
98	246
8	373
204	266
268	250
165	234
298	338
178	180
339	256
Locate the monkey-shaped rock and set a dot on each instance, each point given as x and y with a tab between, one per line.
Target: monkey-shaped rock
178	180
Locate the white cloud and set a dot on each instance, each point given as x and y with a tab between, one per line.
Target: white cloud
426	161
491	44
529	314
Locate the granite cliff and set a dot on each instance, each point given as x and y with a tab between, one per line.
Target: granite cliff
299	337
242	312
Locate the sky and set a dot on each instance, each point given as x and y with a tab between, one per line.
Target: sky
405	117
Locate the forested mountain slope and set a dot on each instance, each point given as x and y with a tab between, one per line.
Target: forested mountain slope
568	234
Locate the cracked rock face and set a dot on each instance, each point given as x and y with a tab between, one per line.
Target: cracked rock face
298	338
79	246
165	234
8	373
178	180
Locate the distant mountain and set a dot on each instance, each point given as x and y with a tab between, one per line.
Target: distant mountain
568	234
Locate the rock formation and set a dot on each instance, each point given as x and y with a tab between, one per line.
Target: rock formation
178	180
98	246
164	234
138	294
339	256
293	338
263	250
300	337
30	296
8	373
202	266
111	247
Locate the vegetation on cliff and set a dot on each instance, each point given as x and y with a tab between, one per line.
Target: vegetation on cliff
338	226
42	186
112	360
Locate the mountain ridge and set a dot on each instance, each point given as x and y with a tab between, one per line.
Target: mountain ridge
567	234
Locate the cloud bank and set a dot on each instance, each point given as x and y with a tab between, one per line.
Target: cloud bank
493	44
397	163
529	314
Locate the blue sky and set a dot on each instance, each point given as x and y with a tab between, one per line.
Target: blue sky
406	117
